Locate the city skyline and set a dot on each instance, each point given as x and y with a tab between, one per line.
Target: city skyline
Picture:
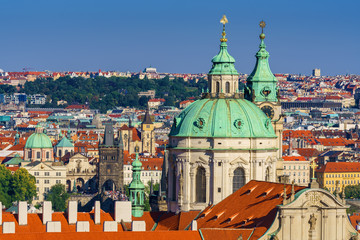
177	37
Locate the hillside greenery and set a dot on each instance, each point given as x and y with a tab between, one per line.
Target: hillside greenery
106	93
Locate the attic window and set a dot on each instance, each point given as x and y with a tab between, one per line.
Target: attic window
231	217
217	216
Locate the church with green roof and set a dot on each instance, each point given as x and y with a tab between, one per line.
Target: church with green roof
228	137
38	147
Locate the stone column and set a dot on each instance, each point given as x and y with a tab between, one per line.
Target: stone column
186	185
192	186
207	174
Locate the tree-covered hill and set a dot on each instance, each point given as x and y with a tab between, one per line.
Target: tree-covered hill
106	93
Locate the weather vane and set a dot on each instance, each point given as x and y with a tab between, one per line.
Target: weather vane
224	21
262	25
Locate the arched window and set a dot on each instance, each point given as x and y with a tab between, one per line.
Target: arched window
200	185
238	179
217	87
227	87
267	175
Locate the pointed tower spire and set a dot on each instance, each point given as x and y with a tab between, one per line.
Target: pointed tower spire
223	77
261	84
136	189
147	117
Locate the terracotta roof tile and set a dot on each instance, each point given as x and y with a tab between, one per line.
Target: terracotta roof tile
252	206
340	167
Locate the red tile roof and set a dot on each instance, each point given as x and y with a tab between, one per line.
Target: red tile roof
308	152
254	206
340	167
217	234
293	158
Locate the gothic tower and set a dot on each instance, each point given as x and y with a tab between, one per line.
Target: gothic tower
148	134
111	162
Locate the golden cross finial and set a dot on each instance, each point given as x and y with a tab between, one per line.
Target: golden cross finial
313	165
262	25
224	20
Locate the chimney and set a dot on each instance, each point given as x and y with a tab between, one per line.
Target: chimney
53	226
8	227
122	211
22	212
72	212
194	225
97	219
110	226
138	226
46	212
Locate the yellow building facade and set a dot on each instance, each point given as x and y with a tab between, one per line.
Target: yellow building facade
347	173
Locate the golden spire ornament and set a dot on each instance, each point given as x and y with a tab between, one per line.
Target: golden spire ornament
224	21
262	25
313	165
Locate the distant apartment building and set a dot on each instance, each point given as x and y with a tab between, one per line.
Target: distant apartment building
37	99
156	102
345	173
297	169
151	170
46	175
20	98
316	72
185	103
149	93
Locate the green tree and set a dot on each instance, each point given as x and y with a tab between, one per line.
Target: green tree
23	186
5	180
58	197
352	191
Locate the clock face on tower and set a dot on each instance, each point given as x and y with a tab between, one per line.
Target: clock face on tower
269	111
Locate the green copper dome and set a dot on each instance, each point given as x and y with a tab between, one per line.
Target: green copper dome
223	62
65	143
229	117
38	140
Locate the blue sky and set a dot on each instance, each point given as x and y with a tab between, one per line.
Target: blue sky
178	36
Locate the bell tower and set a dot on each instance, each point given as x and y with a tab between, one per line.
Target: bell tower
262	90
148	134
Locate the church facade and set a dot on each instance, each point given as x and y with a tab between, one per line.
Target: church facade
135	141
222	141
